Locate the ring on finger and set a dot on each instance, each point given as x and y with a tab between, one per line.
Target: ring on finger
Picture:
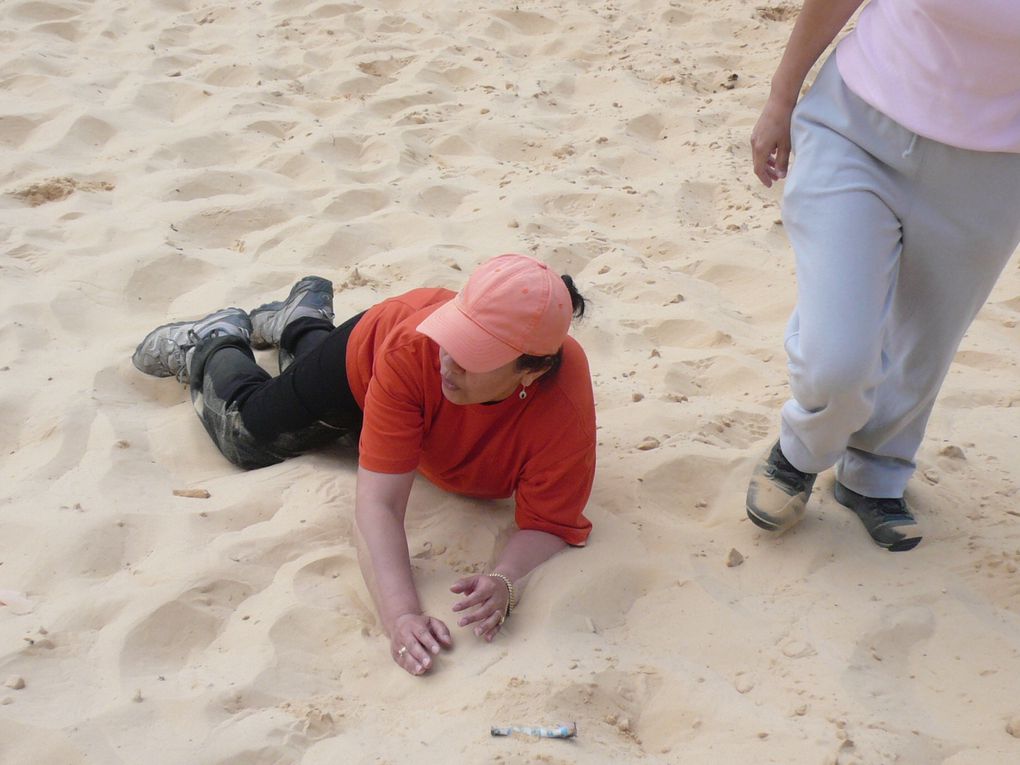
402	651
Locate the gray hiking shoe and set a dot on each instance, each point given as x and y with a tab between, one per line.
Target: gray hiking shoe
778	494
310	297
164	352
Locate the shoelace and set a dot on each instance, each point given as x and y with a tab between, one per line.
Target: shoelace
787	473
889	507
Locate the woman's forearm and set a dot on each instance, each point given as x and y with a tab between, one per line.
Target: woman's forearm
382	544
386	566
817	25
527	549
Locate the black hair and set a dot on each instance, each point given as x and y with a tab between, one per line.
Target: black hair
552	362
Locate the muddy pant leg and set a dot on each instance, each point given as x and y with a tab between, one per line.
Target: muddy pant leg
223	375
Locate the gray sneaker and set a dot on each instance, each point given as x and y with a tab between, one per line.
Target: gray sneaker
778	493
889	521
164	352
310	297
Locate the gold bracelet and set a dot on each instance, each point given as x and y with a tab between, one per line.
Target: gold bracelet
510	604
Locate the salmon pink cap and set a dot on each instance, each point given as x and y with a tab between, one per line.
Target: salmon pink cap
512	305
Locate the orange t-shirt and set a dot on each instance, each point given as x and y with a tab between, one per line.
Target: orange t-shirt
540	449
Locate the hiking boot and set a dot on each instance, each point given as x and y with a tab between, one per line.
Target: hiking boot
889	521
312	296
165	351
778	493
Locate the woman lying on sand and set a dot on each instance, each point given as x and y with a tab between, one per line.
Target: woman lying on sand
483	392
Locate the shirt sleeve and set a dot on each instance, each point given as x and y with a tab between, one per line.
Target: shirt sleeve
553	492
392	431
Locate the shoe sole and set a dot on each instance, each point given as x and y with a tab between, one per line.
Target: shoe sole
901	545
760	522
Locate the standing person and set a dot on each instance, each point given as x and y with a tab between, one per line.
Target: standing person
482	392
903	207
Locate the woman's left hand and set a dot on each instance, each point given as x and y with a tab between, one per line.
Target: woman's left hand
486	601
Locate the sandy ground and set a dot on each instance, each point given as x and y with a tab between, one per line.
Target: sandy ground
162	159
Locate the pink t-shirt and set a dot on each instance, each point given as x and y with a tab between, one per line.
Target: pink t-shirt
948	70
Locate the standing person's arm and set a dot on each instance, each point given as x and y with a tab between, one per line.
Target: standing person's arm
380	506
817	25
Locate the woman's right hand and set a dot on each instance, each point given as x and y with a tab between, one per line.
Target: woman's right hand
770	141
415	639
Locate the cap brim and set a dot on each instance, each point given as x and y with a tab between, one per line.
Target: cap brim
474	349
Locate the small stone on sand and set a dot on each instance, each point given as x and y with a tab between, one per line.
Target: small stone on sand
16	682
734	558
1013	727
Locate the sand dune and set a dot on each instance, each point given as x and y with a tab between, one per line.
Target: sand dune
166	158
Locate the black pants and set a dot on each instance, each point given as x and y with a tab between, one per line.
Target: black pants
256	419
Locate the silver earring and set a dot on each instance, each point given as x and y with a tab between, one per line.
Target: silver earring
524	392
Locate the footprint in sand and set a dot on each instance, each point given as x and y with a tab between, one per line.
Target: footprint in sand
16	129
450	73
232	76
526	22
727	375
737	429
225	226
98	551
313	646
606	600
173	635
686	486
322	583
210	150
358	203
441	201
398	25
687	333
40	11
205	184
171	101
648	127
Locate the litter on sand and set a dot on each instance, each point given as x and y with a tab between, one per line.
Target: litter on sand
568	730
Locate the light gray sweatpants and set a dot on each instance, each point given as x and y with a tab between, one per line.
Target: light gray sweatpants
898	241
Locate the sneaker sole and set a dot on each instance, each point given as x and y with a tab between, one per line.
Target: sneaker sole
760	522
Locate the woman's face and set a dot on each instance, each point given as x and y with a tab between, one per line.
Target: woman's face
463	387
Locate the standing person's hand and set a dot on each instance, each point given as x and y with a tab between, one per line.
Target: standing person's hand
415	639
487	599
770	141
